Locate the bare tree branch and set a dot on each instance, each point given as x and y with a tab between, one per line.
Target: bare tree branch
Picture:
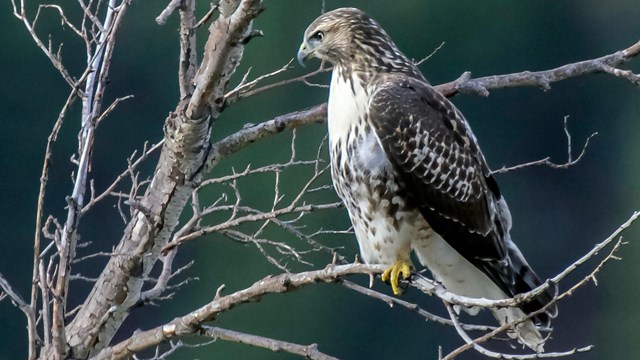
187	132
14	296
391	301
547	161
53	136
249	134
543	79
190	323
498	355
94	89
307	351
248	89
482	85
188	52
186	156
168	11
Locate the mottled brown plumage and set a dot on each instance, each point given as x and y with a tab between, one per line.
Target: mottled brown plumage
408	168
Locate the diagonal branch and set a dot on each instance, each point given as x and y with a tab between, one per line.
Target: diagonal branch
543	79
308	351
191	322
497	355
391	301
249	134
431	287
14	296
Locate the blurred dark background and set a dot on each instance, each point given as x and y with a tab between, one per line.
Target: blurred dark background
558	214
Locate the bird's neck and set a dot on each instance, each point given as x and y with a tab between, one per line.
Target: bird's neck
365	69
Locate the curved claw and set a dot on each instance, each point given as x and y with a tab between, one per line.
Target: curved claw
393	272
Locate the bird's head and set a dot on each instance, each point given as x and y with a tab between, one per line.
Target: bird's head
334	36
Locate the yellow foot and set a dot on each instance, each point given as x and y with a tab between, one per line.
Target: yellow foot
393	273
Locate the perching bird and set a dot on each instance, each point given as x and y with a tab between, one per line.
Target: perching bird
409	170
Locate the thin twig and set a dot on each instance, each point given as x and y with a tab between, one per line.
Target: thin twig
391	301
498	355
249	91
547	161
430	55
307	351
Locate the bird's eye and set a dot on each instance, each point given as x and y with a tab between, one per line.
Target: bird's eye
318	35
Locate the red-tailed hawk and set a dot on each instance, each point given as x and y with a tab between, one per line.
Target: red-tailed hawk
411	175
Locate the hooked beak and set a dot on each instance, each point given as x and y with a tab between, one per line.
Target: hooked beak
303	54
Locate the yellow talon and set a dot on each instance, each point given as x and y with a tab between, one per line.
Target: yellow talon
392	273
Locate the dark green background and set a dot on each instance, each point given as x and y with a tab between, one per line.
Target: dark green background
558	214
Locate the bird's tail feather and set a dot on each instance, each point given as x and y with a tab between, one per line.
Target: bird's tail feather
525	280
525	332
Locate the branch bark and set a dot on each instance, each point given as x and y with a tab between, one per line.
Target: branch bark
543	79
192	322
308	351
187	133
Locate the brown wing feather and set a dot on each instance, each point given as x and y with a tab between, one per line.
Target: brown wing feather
436	155
446	177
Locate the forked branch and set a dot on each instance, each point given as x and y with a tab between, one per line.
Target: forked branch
193	321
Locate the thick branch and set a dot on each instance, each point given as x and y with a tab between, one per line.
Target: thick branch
251	133
191	323
543	79
183	155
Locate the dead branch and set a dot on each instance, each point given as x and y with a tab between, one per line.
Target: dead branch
497	355
133	165
307	351
187	132
543	79
249	89
190	323
168	11
248	218
186	155
188	52
14	296
547	161
55	58
392	301
419	62
247	135
94	90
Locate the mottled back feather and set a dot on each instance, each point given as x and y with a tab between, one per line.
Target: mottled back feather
447	178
